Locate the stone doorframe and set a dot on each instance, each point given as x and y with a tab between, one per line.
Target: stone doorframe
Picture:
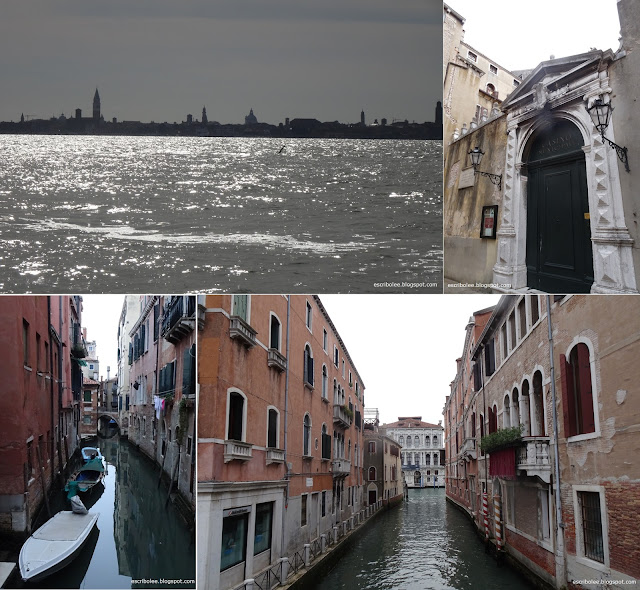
612	245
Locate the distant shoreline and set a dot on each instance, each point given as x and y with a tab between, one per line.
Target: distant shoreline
308	129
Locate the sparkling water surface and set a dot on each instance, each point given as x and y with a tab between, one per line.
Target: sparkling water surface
133	214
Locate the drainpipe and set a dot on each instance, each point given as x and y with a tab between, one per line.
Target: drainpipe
286	416
560	567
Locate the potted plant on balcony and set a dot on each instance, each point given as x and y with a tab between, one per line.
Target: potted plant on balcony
348	412
78	351
501	439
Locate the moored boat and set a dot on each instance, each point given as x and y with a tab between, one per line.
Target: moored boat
87	476
55	544
89	453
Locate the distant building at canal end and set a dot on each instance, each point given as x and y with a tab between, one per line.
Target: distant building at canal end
422	450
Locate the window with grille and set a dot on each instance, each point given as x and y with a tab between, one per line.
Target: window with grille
590	515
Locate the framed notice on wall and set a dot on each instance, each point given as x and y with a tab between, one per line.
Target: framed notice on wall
489	222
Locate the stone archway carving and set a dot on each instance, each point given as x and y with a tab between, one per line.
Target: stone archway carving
547	94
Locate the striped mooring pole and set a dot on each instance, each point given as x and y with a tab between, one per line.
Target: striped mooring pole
498	522
485	511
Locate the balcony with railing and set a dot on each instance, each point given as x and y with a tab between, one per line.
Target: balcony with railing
276	360
340	467
274	456
340	416
533	457
239	329
179	318
469	450
234	450
411	467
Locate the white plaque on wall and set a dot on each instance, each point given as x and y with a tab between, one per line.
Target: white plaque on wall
467	178
309	482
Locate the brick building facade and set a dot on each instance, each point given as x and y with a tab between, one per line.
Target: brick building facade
581	356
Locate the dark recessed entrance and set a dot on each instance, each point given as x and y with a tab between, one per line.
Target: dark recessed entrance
559	251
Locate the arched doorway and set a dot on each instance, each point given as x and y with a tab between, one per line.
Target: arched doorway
559	249
417	479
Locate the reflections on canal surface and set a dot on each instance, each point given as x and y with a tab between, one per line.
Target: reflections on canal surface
423	544
136	537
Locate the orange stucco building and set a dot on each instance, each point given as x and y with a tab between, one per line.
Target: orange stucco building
279	432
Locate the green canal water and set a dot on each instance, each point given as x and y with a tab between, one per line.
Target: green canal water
138	536
423	544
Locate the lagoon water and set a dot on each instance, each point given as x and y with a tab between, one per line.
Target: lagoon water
142	214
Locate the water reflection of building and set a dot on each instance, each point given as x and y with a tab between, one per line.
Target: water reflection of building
161	368
41	346
421	444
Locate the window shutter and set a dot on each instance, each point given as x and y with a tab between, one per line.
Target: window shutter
584	390
568	402
273	421
240	306
306	365
310	370
186	372
156	315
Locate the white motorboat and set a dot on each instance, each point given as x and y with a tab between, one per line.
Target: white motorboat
55	544
89	453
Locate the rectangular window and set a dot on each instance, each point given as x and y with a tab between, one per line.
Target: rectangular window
490	358
535	311
303	510
493	69
25	342
38	353
87	418
264	518
240	307
372	447
343	369
350	379
234	540
522	317
472	57
336	361
593	545
87	395
503	337
46	357
325	340
309	315
512	331
516	83
324	504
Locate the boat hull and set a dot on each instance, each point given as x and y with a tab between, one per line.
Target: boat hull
55	544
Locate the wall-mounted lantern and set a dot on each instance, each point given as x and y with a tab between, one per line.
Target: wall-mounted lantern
600	113
476	157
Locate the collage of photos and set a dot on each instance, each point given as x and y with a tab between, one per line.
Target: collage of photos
278	310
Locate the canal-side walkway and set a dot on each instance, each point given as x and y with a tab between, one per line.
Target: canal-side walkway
291	572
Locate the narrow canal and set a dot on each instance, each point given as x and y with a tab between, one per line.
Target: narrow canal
423	544
138	535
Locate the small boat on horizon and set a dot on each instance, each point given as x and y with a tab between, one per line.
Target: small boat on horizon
55	544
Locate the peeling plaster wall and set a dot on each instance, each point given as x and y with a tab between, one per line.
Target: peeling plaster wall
467	256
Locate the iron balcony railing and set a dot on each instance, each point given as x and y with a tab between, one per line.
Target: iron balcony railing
179	318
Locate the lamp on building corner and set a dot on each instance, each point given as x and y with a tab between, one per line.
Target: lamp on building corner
476	157
600	113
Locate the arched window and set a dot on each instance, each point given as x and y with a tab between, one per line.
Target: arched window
506	412
515	407
401	440
416	441
435	440
491	89
526	415
306	434
537	403
428	459
275	333
325	379
236	411
435	458
308	365
336	392
372	473
409	442
577	394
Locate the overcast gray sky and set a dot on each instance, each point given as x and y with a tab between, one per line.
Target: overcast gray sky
161	59
405	347
100	316
519	35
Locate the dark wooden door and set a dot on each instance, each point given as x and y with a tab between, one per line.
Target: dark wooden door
559	250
